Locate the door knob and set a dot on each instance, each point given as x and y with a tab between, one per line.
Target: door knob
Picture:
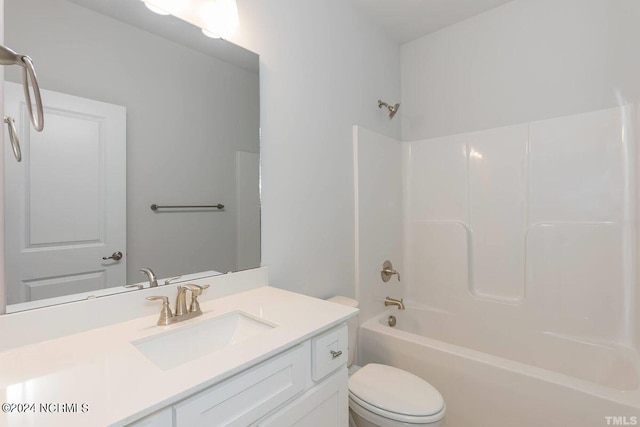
116	256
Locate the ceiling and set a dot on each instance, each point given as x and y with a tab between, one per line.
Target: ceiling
177	30
406	20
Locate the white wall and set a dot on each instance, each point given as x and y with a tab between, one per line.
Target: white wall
524	61
322	69
187	115
378	166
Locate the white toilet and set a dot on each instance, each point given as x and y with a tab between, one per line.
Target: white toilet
384	396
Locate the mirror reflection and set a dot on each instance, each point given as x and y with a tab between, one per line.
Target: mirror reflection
140	109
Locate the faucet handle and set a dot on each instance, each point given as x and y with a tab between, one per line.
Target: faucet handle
196	291
165	312
388	271
171	279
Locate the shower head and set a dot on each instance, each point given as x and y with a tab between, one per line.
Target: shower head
393	109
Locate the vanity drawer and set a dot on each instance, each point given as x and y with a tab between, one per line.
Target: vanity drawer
329	352
248	396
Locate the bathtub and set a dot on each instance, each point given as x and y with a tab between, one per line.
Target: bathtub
490	378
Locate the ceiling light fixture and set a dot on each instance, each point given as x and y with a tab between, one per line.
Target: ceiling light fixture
155	8
220	18
210	34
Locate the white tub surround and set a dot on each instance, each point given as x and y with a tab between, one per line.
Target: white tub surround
523	241
102	369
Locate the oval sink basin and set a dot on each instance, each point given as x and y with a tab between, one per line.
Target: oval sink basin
185	343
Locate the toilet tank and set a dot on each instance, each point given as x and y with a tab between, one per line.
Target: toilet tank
352	325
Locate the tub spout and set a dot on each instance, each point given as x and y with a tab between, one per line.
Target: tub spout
392	301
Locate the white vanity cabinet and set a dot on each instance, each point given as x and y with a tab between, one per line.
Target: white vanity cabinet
163	418
305	385
325	405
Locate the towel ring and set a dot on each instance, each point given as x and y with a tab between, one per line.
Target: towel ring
9	57
13	137
29	74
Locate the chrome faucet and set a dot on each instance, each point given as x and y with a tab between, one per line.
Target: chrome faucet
167	317
153	281
392	301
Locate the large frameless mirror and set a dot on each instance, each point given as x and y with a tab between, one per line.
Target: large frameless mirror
140	110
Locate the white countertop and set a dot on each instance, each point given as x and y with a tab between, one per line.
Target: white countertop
117	384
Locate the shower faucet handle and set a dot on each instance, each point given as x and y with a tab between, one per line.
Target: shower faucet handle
388	271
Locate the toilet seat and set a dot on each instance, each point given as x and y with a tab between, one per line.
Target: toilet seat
396	394
382	418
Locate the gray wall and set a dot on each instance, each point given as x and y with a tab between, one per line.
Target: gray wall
187	115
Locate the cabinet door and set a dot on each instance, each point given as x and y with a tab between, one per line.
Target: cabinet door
162	418
246	397
325	405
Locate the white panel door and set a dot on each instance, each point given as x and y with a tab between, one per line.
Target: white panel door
65	202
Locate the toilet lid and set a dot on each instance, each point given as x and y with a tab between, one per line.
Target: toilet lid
395	391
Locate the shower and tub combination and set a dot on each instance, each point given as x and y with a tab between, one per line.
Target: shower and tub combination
505	192
518	249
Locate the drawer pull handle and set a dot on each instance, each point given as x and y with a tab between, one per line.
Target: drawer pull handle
336	354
